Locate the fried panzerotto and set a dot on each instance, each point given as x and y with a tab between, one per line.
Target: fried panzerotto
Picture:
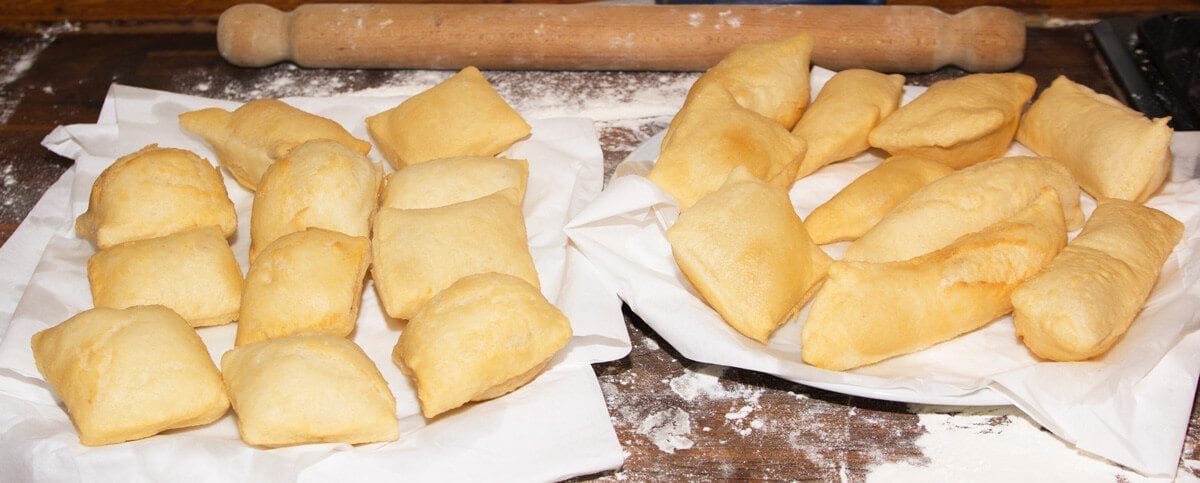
1113	151
191	272
129	374
482	337
418	253
861	204
321	184
311	388
964	202
746	251
155	192
1082	303
769	78
958	122
305	282
868	312
462	116
711	136
253	136
453	180
849	106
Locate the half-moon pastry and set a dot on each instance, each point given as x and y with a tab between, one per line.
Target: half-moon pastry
849	106
868	312
958	122
253	136
862	203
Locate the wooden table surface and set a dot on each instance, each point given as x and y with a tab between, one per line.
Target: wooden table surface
740	424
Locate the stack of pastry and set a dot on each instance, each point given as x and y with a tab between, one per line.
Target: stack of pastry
450	233
947	234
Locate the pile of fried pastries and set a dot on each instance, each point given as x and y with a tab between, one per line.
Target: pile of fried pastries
947	234
443	237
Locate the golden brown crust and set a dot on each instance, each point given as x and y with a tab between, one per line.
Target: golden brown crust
192	272
155	192
319	184
868	312
480	338
1086	299
447	181
305	282
769	78
964	202
958	122
1113	151
418	253
860	205
462	116
129	374
311	388
746	251
849	106
253	136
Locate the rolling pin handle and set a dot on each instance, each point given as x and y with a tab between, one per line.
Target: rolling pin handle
994	39
254	35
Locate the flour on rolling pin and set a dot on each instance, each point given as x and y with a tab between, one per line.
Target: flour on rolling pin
614	37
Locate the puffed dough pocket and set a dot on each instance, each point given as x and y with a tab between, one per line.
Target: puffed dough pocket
481	338
448	181
129	374
308	389
193	273
746	251
155	192
462	116
418	253
305	282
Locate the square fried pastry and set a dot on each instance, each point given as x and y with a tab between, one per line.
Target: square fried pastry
746	251
191	272
958	122
418	253
128	374
711	136
769	78
155	192
868	312
311	388
964	202
321	184
305	282
480	338
1086	299
447	181
1114	151
462	116
253	136
849	106
861	204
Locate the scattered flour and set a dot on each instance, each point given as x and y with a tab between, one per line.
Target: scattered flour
995	445
668	429
15	63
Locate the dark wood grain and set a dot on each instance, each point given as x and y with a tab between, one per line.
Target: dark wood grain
803	434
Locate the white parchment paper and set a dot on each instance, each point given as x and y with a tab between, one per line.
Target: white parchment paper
1132	406
553	428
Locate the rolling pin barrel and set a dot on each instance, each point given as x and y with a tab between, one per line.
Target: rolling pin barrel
614	37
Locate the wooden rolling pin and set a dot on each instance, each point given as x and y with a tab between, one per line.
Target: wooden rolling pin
614	37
